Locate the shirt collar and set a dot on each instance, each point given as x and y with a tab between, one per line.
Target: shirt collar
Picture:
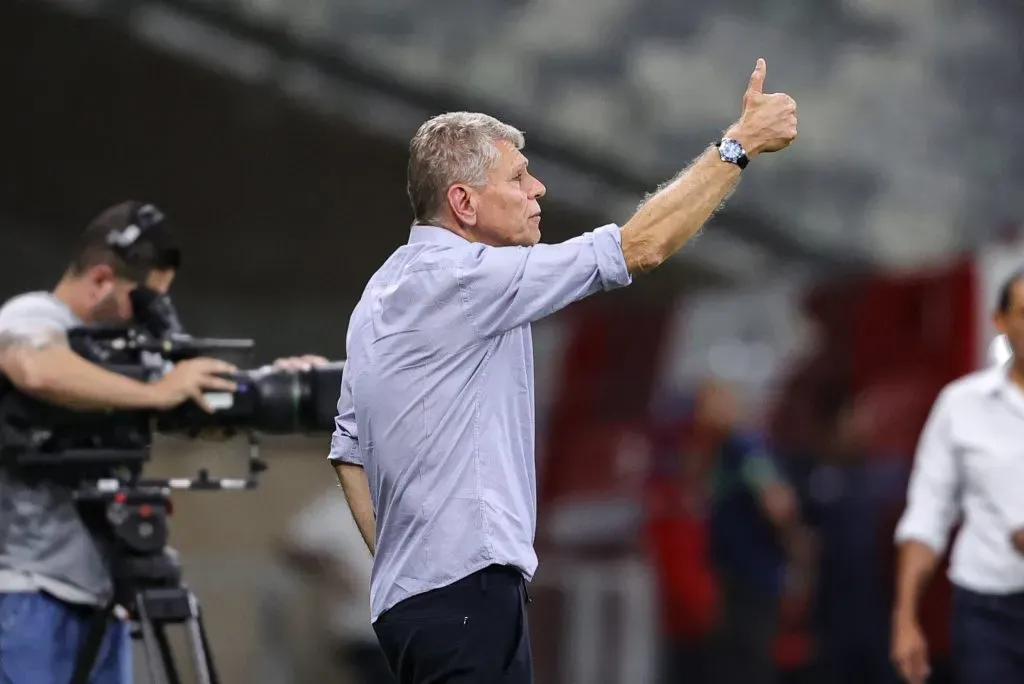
436	236
998	379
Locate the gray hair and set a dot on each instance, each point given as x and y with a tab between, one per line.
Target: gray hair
457	147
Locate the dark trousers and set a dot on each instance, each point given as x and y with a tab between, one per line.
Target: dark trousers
687	661
988	638
746	638
473	631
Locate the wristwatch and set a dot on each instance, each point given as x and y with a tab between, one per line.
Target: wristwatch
732	151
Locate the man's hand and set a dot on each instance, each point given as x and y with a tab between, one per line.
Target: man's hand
189	379
1017	539
910	650
300	363
768	122
676	212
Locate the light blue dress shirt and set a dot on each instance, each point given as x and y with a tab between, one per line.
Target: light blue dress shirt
437	399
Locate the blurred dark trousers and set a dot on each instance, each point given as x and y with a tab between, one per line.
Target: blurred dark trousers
686	661
988	637
744	645
846	657
474	631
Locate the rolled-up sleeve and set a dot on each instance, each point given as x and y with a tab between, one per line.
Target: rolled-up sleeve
933	494
345	442
505	287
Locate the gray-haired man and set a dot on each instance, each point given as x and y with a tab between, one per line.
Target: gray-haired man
434	444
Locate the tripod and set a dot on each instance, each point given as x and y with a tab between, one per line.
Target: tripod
156	609
147	583
101	463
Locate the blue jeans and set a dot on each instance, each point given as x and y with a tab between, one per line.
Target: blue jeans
40	637
988	638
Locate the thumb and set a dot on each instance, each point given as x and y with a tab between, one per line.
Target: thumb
756	84
200	399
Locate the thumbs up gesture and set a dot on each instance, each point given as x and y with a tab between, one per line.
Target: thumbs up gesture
768	121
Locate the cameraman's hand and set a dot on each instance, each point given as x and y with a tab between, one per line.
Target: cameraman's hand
768	122
300	363
189	379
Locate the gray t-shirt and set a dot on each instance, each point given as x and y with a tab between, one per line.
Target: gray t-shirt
44	545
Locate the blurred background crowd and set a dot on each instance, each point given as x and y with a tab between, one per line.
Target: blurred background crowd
724	446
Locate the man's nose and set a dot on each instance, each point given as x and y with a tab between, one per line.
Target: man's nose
538	189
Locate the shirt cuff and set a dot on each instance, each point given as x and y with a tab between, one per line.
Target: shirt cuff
908	531
344	449
611	263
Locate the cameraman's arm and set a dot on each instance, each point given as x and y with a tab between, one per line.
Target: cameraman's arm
347	459
39	362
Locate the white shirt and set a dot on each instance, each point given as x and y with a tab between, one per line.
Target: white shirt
970	465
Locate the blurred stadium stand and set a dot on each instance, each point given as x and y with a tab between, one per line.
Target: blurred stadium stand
901	104
303	50
274	132
888	136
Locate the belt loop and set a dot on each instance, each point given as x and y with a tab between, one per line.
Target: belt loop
483	581
526	591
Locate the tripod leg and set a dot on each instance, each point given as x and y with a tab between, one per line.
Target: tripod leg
166	654
199	645
148	641
205	642
87	655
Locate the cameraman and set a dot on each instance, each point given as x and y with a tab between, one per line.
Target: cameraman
53	574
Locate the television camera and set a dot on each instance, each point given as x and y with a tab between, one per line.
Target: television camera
99	458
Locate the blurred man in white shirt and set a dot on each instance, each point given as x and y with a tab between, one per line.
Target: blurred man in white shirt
969	468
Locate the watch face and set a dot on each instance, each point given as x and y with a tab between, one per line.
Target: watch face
730	150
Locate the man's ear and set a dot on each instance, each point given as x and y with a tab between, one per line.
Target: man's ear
102	281
462	203
100	274
998	320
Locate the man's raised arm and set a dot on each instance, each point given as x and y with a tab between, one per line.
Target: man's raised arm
676	212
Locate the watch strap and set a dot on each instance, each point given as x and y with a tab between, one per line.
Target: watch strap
740	161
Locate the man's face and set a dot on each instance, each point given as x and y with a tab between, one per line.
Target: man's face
1011	321
111	295
716	407
853	426
506	211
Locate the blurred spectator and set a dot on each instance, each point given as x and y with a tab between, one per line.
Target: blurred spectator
677	538
757	541
326	533
846	495
326	554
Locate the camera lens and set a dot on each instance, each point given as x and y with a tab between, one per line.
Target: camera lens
272	401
